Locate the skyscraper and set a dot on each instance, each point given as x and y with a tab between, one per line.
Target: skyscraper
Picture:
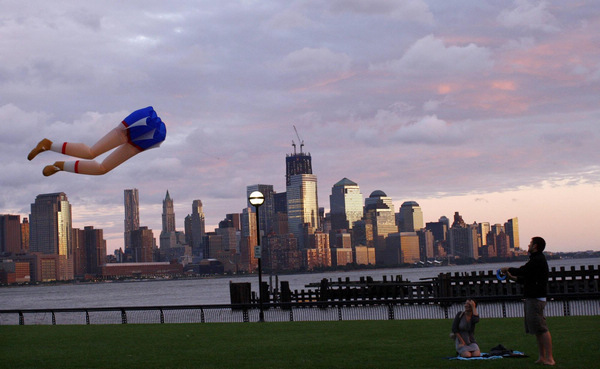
25	235
512	230
79	252
346	204
379	211
248	260
303	207
463	240
168	214
132	214
195	228
10	233
142	245
410	217
379	197
297	164
266	212
168	236
483	229
95	247
50	231
439	230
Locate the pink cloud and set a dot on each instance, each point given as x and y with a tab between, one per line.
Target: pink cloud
504	85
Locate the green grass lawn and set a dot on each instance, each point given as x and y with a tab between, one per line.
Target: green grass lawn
348	344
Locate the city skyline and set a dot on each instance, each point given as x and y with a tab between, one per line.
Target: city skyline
169	220
488	109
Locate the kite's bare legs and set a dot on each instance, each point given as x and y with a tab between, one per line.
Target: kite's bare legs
115	138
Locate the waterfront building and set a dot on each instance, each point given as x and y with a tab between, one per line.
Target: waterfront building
342	256
364	255
511	228
498	244
14	271
168	238
248	240
213	242
141	270
10	233
266	212
379	211
25	235
229	234
89	251
362	234
409	245
318	255
79	252
483	230
195	229
143	244
341	247
95	247
346	204
410	217
463	240
132	214
426	242
302	207
50	234
438	229
401	248
282	253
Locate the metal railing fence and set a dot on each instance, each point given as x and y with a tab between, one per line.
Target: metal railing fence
405	309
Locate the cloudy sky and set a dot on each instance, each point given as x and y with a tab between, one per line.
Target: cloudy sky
489	108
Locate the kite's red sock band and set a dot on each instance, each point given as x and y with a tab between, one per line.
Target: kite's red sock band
64	147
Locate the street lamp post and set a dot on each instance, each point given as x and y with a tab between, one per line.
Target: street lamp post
256	199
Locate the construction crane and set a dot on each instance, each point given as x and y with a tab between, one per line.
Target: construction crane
299	140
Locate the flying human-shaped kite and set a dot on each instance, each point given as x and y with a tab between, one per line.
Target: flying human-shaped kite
141	130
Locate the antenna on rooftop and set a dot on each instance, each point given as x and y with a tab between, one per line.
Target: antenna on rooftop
299	140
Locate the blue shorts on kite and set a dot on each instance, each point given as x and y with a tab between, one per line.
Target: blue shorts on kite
145	130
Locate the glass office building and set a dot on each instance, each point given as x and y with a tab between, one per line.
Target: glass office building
303	206
346	204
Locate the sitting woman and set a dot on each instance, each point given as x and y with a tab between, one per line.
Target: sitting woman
463	330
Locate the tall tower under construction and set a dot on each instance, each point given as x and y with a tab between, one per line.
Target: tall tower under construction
301	193
297	163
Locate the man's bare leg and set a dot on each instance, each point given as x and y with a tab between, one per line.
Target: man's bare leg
545	343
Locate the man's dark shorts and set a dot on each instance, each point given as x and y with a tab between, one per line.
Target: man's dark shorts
535	321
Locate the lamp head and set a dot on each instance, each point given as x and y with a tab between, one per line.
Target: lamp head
256	198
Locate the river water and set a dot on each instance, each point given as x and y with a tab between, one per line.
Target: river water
209	291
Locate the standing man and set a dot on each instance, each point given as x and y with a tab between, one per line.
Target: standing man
534	276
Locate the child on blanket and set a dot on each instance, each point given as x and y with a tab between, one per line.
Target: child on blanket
463	330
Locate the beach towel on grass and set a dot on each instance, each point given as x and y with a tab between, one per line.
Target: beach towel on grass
482	357
497	352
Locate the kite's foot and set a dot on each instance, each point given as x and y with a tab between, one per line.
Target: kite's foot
51	169
43	145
